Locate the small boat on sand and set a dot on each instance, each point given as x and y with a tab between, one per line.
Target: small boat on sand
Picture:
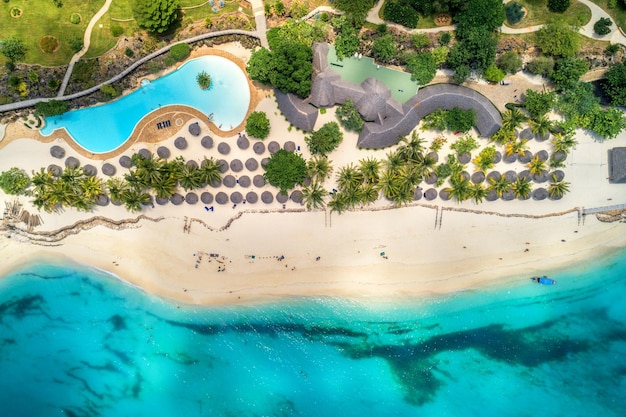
544	280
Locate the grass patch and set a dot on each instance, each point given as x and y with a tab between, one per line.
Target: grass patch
618	13
538	14
424	22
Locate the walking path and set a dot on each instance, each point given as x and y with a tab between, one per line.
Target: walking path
261	24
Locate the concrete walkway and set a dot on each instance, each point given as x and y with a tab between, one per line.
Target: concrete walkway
261	24
86	42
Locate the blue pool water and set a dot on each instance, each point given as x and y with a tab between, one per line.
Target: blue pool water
75	342
105	127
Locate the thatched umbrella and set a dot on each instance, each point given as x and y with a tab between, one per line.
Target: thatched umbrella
180	143
72	162
207	142
444	194
102	200
273	147
431	178
236	197
55	170
491	195
252	164
478	176
229	181
125	161
510	176
243	142
57	152
541	177
90	170
555	196
267	197
296	196
194	129
206	197
177	199
465	175
510	158
433	156
526	134
418	194
524	159
223	165
216	183
497	158
282	198
145	153
252	197
236	165
558	174
306	181
223	148
465	157
289	146
116	202
161	201
191	163
244	181
430	194
525	197
264	162
259	148
542	138
221	198
191	198
543	155
540	194
508	195
524	174
559	156
493	176
163	152
258	180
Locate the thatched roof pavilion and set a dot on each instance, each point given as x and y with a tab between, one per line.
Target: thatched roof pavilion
526	134
264	162
431	178
493	176
478	177
296	196
542	155
524	159
194	129
267	197
282	198
221	198
161	201
418	194
244	181
444	194
289	146
191	198
299	112
524	174
258	147
229	181
510	176
72	162
252	197
163	152
465	157
125	161
90	170
273	147
236	165
177	199
509	159
206	197
508	195
223	148
558	175
236	197
252	164
540	194
258	180
491	195
145	153
207	142
57	152
559	156
223	165
243	142
180	143
430	194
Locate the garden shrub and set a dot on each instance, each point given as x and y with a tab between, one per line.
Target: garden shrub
75	18
48	44
349	117
116	30
401	12
514	12
258	125
603	26
558	6
179	51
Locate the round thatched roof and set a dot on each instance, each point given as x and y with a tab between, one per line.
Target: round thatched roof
102	200
431	178
236	165
526	134
57	152
191	163
444	195
478	176
542	177
465	157
540	194
55	170
216	183
150	202
418	194
72	162
497	158
90	170
223	165
252	164
145	153
433	156
306	181
510	176
508	195
264	162
510	158
528	155
221	198
494	175
223	148
543	155
559	156
281	198
296	196
524	174
206	197
267	197
236	197
289	146
180	143
163	152
252	197
259	148
194	129
430	194
161	201
116	202
558	174
465	175
125	161
177	199
273	147
191	198
491	195
244	181
541	138
229	181
207	142
555	196
243	142
258	180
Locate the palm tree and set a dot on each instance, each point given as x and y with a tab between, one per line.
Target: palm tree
313	195
503	136
512	119
536	165
41	180
369	193
557	188
91	187
388	183
516	147
134	180
460	187
148	169
370	169
337	203
394	161
319	168
564	142
478	192
522	187
116	187
349	177
500	185
409	176
165	186
541	125
133	198
190	177
402	195
210	171
411	150
427	166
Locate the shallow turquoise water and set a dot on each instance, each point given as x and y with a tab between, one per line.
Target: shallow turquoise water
74	342
106	127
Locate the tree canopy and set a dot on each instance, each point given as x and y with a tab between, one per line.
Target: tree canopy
558	38
384	48
155	16
324	140
423	67
568	71
14	181
258	125
614	84
51	108
13	48
285	170
349	117
486	14
538	104
355	9
558	6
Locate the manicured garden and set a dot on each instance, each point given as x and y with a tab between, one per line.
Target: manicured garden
538	13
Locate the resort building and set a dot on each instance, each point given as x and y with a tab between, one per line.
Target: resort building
617	165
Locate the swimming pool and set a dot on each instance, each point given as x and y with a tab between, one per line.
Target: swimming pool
106	127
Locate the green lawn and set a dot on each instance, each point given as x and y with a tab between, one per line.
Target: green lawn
618	13
578	14
43	18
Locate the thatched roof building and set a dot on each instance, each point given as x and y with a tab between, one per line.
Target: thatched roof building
298	111
617	165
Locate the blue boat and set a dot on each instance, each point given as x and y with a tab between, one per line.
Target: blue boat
544	280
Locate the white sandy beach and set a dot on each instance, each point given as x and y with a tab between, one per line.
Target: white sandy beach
429	247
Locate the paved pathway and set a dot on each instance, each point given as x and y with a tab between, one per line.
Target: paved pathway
86	42
261	24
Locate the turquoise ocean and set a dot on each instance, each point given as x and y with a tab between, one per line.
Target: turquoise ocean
77	342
